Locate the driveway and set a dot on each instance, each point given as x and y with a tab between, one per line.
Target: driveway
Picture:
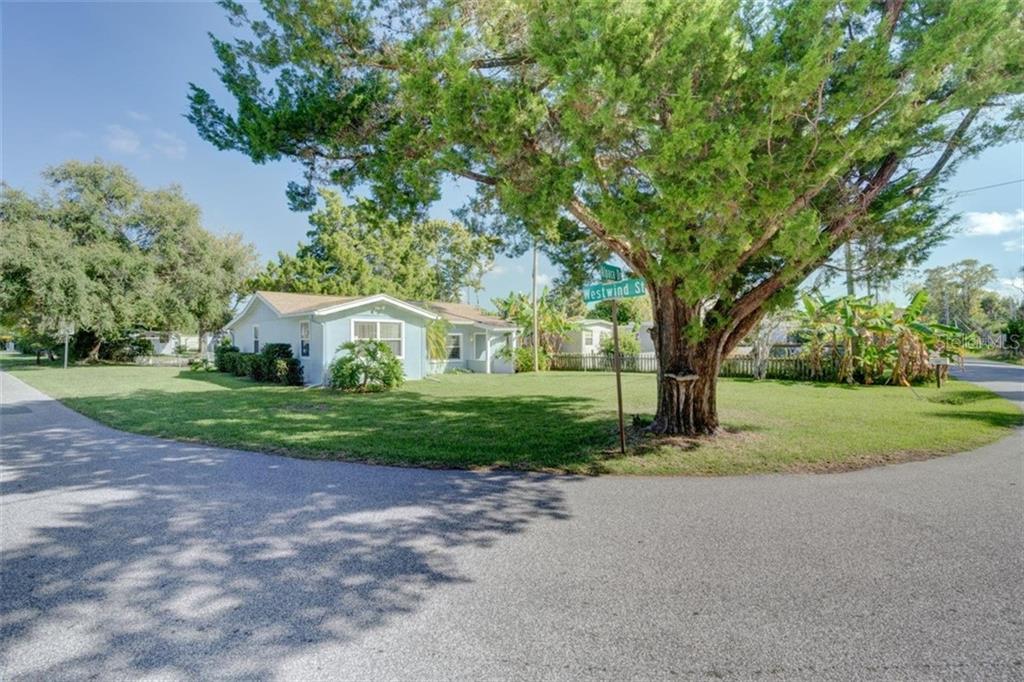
128	557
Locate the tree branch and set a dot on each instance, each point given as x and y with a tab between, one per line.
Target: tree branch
954	141
580	211
477	177
498	62
750	303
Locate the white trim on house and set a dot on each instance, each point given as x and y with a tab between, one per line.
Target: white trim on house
255	338
377	321
481	325
330	310
487	346
448	357
304	338
245	308
377	298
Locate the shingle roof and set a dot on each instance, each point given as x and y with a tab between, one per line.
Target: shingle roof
463	312
296	304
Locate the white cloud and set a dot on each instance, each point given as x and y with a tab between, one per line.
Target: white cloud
498	270
1014	245
1012	286
985	224
122	140
168	144
543	279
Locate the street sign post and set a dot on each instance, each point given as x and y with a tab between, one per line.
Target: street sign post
614	288
610	273
627	288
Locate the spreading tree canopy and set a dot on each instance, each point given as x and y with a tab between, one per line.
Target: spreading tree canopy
724	150
102	253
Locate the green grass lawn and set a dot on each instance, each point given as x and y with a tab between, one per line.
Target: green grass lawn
562	421
1000	356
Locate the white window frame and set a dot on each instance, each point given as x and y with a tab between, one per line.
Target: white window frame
590	333
377	321
476	354
447	356
304	338
255	338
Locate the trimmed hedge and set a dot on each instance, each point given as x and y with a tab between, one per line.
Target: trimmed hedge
273	364
223	356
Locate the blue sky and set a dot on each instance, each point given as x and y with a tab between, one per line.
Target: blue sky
109	80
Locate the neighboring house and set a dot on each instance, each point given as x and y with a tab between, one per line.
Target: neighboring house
645	338
316	326
780	338
168	343
586	336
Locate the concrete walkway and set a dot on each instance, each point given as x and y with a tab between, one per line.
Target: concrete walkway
126	557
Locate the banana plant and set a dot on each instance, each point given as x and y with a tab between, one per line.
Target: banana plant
873	342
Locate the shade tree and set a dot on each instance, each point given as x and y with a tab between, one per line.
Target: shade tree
724	151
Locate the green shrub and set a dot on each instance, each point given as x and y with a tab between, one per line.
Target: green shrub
1014	331
201	365
221	351
629	344
259	366
522	358
242	363
274	363
228	361
366	366
292	375
275	351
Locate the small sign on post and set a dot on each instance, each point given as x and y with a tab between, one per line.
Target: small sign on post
66	330
938	362
614	288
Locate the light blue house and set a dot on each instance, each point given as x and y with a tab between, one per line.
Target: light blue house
316	326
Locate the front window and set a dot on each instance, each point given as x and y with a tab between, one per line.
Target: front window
255	339
304	339
453	344
588	337
389	332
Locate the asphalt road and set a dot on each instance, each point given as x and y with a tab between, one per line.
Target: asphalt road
127	557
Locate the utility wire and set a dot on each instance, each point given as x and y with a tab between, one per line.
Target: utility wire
976	189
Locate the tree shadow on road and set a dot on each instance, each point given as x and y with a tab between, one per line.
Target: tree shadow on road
126	556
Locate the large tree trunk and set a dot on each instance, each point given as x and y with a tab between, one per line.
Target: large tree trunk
94	351
687	369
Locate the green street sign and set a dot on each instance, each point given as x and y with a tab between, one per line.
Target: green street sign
610	273
627	288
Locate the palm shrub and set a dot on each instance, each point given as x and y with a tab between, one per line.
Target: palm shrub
437	339
366	366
